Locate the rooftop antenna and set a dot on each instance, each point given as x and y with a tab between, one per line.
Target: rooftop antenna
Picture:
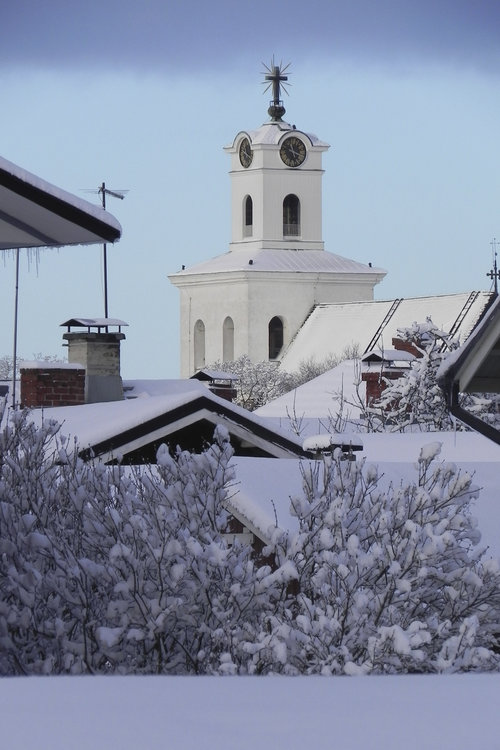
103	191
494	273
275	79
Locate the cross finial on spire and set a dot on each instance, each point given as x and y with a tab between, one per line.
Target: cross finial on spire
275	78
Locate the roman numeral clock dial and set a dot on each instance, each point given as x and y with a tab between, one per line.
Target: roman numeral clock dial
246	153
293	152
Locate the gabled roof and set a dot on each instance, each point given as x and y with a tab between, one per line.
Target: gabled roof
34	213
333	328
475	366
186	413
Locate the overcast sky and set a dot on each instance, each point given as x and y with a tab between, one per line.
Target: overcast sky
145	95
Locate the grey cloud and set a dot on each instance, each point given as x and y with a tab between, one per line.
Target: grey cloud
196	34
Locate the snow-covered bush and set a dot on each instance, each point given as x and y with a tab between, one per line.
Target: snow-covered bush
257	383
111	569
106	569
416	400
385	578
260	382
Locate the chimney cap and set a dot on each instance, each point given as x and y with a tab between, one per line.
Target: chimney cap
94	323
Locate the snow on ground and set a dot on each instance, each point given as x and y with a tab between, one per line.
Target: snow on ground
449	712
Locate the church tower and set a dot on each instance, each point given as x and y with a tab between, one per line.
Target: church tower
253	299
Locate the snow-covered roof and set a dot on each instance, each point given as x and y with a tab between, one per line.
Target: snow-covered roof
387	355
328	441
149	415
475	365
35	213
42	364
280	260
333	328
207	374
270	133
318	399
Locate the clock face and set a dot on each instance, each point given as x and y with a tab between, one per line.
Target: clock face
293	152
246	153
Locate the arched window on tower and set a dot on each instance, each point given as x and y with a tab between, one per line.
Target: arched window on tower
291	216
275	337
247	217
228	340
199	345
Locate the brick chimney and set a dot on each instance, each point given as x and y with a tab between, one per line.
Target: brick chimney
45	384
91	375
222	384
390	364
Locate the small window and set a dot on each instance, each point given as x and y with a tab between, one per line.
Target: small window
275	337
199	345
228	340
248	217
291	216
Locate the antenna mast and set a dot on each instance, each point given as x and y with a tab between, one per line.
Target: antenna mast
103	190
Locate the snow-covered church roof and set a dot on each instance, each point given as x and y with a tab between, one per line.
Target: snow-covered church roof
270	134
331	329
278	260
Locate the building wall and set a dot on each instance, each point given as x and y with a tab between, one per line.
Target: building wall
252	300
45	386
268	182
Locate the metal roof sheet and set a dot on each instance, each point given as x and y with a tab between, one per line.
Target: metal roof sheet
333	328
94	322
279	260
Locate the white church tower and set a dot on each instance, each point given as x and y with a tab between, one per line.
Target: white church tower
253	299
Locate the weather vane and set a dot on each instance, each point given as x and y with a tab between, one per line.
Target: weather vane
275	78
494	273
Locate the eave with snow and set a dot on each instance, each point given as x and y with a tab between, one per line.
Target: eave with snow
180	413
475	368
35	213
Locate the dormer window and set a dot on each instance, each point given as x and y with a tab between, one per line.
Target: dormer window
247	217
291	216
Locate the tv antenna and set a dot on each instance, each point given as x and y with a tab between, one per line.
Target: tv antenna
103	191
494	273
